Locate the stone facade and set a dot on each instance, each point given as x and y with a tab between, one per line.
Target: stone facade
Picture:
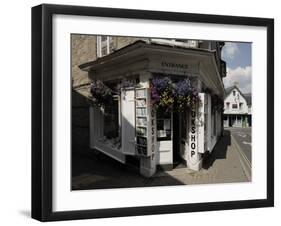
83	49
121	42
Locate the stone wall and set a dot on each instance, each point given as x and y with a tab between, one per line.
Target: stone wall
83	49
121	42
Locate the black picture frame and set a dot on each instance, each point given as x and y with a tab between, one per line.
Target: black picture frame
42	111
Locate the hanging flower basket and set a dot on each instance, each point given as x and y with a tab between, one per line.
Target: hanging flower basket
101	94
173	96
186	95
162	93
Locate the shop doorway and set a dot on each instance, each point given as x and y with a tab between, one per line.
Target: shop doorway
180	138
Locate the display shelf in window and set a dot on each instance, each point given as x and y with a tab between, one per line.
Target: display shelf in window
145	123
141	93
141	131
141	102
141	121
141	111
142	141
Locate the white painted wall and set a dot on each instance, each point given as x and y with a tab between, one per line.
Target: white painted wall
165	152
128	121
235	99
96	136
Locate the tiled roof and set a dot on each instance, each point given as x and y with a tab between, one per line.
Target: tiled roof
248	97
229	89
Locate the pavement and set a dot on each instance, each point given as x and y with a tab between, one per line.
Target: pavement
242	139
93	170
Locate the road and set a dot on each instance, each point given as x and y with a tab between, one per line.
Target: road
243	137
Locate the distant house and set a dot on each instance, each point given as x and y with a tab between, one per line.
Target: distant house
237	108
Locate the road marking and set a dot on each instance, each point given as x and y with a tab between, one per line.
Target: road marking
245	142
246	165
241	135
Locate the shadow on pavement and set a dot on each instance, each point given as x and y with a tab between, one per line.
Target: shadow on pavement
219	151
94	170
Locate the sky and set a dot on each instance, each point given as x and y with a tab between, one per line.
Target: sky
238	58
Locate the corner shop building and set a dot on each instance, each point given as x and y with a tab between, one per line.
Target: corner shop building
133	128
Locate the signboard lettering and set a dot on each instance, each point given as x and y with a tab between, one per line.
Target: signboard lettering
174	65
193	139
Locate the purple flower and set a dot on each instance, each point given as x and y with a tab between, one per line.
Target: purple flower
154	95
183	87
169	95
161	83
101	93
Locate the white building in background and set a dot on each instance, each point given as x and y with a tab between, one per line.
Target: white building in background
131	127
237	108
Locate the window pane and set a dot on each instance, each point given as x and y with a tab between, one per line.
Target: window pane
163	125
104	50
111	125
103	38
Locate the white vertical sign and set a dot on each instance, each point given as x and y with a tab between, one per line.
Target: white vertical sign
201	123
196	137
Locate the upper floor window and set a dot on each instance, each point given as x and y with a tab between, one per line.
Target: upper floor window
104	45
240	106
234	92
234	106
227	105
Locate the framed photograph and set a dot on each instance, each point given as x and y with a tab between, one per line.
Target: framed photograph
145	112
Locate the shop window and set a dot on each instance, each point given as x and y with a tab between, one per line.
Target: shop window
111	120
103	38
234	106
163	125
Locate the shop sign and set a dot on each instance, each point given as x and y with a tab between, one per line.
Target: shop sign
193	138
172	65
